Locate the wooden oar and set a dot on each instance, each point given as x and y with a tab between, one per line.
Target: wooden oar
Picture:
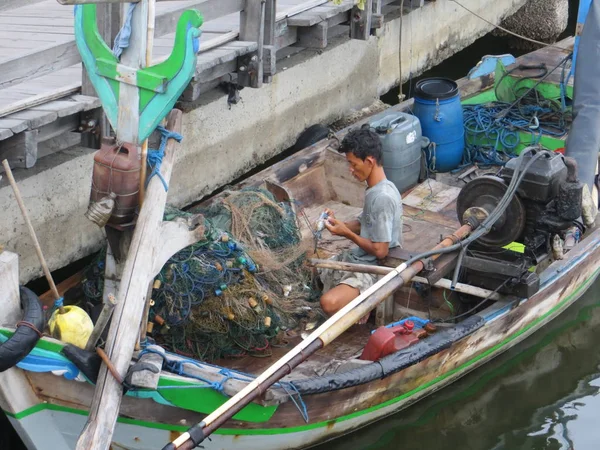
382	270
322	336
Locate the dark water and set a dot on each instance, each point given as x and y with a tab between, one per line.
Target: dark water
540	395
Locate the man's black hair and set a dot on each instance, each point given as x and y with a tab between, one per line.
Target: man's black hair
362	142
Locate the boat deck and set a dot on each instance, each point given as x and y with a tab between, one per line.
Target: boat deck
429	214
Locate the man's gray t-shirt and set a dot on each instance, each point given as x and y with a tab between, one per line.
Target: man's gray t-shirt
381	219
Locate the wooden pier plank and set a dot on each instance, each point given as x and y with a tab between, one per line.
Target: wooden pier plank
14	125
47	50
319	14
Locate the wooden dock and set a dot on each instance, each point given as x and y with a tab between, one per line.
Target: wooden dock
41	101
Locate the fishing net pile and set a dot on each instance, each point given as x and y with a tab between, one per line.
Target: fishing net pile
238	291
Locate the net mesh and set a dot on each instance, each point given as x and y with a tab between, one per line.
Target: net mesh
238	291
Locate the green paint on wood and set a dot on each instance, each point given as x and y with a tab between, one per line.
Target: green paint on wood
187	30
205	400
159	86
91	46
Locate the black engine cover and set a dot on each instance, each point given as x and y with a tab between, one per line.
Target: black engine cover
543	179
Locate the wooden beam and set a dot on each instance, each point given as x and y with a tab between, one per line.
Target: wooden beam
9	294
269	51
20	150
319	14
360	21
214	64
314	36
109	22
131	299
252	28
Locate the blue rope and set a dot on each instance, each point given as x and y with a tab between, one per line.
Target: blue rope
59	302
124	35
298	403
155	157
486	135
177	366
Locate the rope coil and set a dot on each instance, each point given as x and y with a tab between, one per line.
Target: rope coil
155	157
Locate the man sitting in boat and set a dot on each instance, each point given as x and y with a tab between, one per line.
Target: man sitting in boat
378	228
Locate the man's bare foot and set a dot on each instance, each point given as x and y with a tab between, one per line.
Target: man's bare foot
364	320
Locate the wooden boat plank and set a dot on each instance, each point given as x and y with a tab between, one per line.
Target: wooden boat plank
431	195
550	56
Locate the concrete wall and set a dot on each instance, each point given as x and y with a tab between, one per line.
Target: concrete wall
220	143
542	20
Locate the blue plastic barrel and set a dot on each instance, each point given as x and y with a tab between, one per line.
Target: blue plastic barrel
438	107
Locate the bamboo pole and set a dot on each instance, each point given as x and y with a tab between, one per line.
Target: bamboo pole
151	17
382	270
36	244
322	336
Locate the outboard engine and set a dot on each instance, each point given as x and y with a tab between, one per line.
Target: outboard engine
547	204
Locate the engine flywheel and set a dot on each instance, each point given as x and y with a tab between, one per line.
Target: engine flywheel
486	192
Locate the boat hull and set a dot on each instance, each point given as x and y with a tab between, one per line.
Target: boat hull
54	411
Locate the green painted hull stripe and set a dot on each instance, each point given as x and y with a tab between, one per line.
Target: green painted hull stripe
275	431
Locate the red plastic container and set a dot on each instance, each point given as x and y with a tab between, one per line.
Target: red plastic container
117	169
386	341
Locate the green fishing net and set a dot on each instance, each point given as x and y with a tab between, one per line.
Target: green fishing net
239	290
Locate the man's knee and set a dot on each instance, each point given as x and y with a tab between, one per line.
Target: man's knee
329	303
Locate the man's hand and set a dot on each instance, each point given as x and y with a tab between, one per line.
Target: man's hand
329	212
337	227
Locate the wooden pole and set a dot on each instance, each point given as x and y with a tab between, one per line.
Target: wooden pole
382	270
150	19
123	334
101	323
109	22
322	336
36	243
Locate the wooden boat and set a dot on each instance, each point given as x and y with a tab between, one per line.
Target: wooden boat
47	398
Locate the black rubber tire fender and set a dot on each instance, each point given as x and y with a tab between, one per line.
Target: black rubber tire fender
311	135
22	342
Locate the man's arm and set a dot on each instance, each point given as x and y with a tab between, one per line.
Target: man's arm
353	226
377	249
